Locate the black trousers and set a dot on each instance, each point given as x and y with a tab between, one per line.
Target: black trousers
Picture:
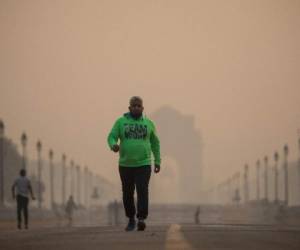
22	206
131	178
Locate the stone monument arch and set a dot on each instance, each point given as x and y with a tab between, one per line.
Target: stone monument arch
181	142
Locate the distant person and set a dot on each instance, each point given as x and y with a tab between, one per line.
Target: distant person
70	207
197	215
116	212
20	191
110	213
58	213
137	136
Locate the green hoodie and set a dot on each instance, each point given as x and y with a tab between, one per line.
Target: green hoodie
137	139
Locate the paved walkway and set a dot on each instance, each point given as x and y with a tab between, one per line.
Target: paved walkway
156	237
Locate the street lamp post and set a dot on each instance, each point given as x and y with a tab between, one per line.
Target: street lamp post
224	192
51	179
276	157
286	175
299	163
91	186
24	143
64	179
88	187
72	179
239	184
99	184
258	180
221	197
266	173
2	127
39	170
218	193
85	178
78	184
246	183
236	188
238	181
230	182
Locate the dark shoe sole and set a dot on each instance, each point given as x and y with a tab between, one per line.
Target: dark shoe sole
130	227
141	226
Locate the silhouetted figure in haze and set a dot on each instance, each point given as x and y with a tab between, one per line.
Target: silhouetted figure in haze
109	213
70	207
197	215
137	135
22	187
113	213
116	212
58	212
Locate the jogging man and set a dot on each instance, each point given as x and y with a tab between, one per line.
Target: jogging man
23	187
138	138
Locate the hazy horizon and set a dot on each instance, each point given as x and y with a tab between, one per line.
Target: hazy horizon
68	69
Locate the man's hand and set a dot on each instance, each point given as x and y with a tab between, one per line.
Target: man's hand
115	148
156	168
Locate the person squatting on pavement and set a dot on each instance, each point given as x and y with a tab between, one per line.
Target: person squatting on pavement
138	138
23	186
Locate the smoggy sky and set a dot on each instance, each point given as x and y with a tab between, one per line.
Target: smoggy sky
68	68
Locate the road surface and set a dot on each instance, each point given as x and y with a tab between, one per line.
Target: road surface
156	237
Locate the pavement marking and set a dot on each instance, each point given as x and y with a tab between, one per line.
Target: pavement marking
175	239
